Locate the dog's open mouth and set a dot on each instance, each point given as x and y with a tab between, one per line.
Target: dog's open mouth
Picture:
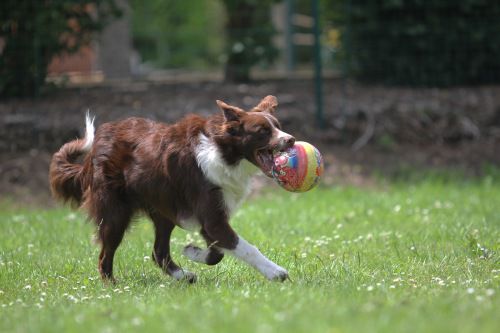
265	160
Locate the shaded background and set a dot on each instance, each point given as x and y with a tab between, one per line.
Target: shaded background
388	87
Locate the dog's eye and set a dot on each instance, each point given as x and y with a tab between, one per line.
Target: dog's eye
232	131
264	130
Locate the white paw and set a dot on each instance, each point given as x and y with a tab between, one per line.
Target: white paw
181	274
195	253
275	273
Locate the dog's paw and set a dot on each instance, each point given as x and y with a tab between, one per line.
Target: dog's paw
196	254
191	251
277	274
183	275
190	277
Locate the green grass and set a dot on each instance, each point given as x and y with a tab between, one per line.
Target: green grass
408	257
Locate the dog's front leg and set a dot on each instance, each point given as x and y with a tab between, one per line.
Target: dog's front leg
252	256
216	226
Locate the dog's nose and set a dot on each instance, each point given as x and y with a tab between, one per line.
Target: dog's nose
289	141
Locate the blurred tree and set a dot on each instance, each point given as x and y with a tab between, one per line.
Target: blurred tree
176	34
249	33
32	32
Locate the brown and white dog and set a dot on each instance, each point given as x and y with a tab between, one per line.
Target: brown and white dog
192	174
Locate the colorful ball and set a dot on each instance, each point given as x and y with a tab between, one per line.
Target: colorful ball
299	168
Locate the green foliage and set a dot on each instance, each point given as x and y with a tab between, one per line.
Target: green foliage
176	34
249	33
410	257
420	43
33	32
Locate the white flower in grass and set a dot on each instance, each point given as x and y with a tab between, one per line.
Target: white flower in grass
397	208
392	286
27	287
147	258
73	299
369	288
439	281
470	290
490	292
136	321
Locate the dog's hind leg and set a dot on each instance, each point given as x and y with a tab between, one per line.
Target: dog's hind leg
212	255
161	249
110	236
112	218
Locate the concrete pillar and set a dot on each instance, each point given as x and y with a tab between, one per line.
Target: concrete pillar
115	46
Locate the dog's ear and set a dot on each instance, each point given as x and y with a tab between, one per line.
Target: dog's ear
267	104
231	113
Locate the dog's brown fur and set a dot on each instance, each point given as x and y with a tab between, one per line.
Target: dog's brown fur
140	165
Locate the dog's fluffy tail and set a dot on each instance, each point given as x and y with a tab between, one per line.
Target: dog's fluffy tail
66	175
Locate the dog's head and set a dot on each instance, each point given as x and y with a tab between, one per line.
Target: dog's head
255	134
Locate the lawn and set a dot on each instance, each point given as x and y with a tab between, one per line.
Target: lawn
405	256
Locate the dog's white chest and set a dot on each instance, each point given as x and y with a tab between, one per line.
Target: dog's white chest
234	180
